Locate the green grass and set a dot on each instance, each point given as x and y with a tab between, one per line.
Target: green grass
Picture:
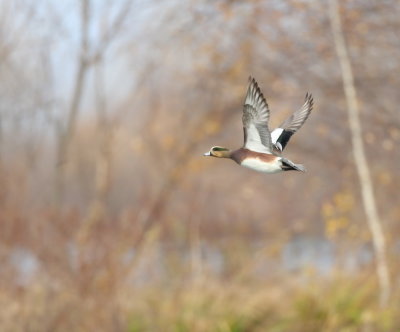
337	305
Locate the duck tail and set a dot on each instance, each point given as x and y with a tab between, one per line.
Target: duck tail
287	165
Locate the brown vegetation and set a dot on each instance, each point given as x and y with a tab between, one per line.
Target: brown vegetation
112	220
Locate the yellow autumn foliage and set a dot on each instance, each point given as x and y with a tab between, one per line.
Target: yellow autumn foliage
336	213
334	225
344	201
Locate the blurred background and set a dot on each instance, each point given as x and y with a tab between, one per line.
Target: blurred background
111	219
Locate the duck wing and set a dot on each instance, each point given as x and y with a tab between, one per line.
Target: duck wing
255	119
281	135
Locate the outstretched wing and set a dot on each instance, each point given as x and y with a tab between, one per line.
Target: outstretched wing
281	135
257	136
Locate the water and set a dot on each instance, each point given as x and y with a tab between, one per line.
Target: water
299	253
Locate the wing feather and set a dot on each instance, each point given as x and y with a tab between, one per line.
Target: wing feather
282	134
257	136
297	119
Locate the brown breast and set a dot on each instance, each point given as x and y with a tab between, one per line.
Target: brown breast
242	153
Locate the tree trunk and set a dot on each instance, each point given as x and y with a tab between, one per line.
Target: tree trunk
65	133
103	161
363	171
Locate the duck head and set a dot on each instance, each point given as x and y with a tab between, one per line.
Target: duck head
219	152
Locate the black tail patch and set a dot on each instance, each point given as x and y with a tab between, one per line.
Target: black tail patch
287	165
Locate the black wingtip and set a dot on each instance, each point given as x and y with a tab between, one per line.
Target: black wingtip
252	80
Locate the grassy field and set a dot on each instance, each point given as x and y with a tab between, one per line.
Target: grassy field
207	305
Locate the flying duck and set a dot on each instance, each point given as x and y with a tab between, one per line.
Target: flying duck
262	149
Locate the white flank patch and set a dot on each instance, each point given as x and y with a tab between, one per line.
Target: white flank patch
275	134
261	166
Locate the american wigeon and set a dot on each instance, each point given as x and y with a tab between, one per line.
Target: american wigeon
261	149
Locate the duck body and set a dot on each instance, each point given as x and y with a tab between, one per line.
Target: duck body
263	162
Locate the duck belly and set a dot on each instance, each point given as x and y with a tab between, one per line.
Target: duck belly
262	166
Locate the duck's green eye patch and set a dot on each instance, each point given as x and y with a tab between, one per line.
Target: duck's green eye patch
217	148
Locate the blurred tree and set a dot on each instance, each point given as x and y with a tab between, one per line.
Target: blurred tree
124	97
361	162
65	132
